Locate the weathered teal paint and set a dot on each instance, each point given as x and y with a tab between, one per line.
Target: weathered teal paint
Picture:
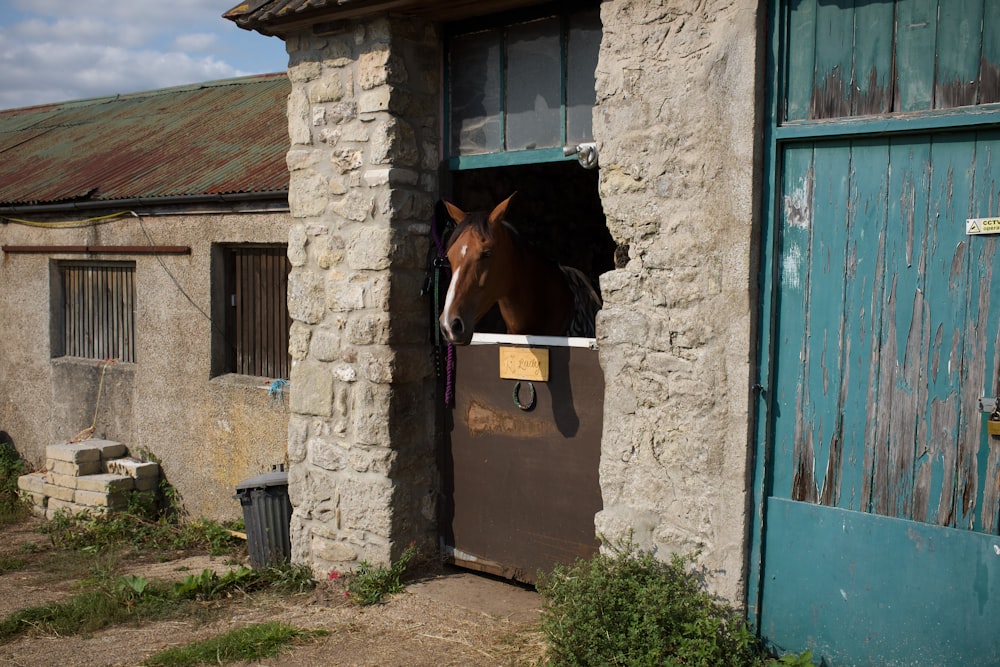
877	489
960	28
878	56
860	589
879	298
800	72
916	33
871	93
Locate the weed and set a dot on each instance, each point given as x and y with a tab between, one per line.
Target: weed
247	644
12	507
139	529
368	585
804	659
629	608
11	564
288	578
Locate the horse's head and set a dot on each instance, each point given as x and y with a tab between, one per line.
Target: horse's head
481	254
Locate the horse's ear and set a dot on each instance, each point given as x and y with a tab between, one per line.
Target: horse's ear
457	214
500	212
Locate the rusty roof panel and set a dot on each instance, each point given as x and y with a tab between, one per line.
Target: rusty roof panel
220	137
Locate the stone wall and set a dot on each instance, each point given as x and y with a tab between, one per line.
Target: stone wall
363	122
677	94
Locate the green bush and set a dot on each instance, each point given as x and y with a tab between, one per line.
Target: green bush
629	608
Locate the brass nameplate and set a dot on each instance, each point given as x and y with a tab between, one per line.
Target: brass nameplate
524	363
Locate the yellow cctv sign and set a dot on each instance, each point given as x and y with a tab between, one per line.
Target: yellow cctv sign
982	226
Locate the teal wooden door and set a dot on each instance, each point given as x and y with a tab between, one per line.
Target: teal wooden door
878	486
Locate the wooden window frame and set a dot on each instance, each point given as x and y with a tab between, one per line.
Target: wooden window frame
93	310
250	310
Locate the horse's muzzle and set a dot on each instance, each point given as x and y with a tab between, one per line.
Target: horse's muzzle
456	331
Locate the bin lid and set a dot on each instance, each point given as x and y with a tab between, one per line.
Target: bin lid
276	478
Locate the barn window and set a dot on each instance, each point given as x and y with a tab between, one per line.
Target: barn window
521	89
250	311
96	311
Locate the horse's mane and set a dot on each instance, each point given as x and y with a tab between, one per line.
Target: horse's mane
478	221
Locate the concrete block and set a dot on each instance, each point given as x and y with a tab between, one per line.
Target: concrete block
32	483
75	469
56	492
105	483
35	499
68	481
66	506
147	483
97	499
73	453
132	468
109	448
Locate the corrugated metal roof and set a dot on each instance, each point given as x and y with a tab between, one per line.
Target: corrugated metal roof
277	17
221	137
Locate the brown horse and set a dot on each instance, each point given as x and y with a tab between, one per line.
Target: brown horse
490	265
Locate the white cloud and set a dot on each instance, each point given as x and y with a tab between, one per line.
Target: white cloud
53	50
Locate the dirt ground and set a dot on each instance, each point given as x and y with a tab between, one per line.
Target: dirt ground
449	618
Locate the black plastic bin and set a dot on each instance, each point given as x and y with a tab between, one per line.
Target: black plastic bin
267	513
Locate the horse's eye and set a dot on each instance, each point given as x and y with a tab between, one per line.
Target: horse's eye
486	254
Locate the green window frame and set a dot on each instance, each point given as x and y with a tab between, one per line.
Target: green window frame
500	97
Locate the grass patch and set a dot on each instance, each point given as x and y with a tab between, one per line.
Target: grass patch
109	599
253	642
11	564
143	526
101	606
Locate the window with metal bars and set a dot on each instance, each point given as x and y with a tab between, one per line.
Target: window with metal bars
96	311
250	311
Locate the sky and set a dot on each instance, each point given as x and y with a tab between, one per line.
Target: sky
59	50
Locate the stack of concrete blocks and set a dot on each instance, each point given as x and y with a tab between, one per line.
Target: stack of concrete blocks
91	476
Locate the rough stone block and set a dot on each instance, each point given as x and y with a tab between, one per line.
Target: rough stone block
55	492
32	483
313	389
106	483
75	469
97	499
132	468
73	453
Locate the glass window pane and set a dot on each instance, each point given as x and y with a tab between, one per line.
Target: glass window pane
534	85
584	44
475	93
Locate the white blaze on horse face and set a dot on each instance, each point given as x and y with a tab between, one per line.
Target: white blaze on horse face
465	249
449	299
